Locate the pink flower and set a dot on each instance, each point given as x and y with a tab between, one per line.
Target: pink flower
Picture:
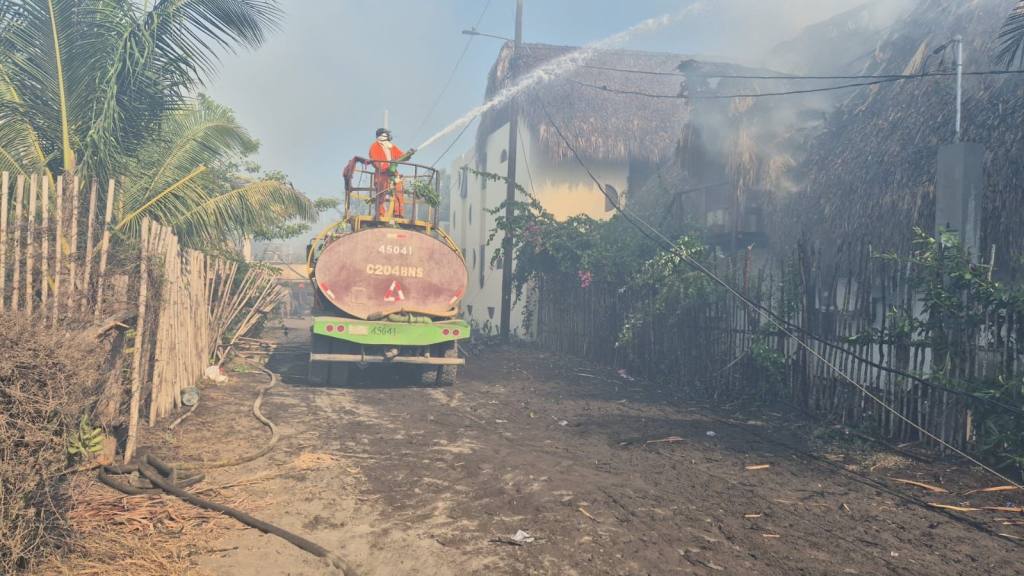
585	278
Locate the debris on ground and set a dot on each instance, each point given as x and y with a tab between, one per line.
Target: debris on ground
138	535
520	538
190	396
214	374
668	440
993	489
928	487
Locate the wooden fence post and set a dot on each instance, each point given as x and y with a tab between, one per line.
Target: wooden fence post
90	229
19	199
30	246
104	248
58	253
140	332
3	236
44	268
73	283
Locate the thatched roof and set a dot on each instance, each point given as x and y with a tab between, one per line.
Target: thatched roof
602	125
870	175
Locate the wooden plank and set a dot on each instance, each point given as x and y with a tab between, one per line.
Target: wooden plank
30	242
58	252
89	245
104	249
44	268
19	200
169	316
4	195
140	331
73	282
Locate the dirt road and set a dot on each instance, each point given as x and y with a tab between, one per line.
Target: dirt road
417	481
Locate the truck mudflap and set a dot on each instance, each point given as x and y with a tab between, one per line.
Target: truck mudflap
370	333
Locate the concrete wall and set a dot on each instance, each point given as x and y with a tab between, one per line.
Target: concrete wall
564	189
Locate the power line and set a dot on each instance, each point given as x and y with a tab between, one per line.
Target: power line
452	145
728	96
798	76
733	76
526	160
455	69
657	237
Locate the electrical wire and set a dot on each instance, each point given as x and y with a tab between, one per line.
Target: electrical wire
455	69
798	76
728	96
657	237
526	160
452	145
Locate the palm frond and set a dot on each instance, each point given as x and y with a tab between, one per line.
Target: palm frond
1011	38
95	78
245	211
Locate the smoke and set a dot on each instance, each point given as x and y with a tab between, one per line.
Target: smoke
761	139
563	65
752	28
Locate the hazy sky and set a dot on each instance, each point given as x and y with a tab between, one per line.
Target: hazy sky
315	93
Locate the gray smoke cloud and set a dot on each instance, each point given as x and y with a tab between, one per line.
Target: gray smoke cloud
751	29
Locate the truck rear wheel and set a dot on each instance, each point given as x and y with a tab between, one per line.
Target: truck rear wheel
339	371
319	371
328	373
441	376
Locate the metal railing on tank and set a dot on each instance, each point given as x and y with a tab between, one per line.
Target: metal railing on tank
396	192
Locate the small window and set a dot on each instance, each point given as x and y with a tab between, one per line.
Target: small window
470	214
464	182
504	156
474	259
611	193
483	265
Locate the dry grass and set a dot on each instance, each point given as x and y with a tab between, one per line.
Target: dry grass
47	379
138	535
155	535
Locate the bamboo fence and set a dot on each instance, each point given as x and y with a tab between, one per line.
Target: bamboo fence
61	263
47	268
719	348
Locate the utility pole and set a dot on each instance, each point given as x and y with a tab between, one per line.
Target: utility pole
510	192
959	40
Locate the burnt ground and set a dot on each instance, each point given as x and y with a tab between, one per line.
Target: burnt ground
418	481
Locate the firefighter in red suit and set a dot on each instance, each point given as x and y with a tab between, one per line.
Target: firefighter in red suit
387	182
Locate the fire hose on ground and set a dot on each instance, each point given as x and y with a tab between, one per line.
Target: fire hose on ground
155	476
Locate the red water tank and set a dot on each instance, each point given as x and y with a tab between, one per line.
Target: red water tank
380	271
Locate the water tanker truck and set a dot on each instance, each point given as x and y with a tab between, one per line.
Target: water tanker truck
387	281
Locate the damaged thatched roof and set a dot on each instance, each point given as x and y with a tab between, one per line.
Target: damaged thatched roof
870	176
602	125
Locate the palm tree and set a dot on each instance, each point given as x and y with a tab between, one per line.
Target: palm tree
1011	52
106	88
85	83
187	178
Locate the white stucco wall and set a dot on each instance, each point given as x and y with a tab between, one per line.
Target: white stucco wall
564	189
